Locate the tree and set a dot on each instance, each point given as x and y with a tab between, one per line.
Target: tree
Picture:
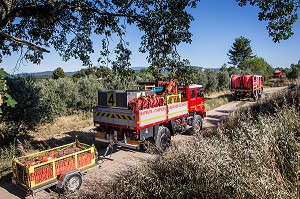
29	110
58	73
224	67
67	25
103	72
281	15
233	70
294	71
258	66
223	80
212	81
5	97
241	50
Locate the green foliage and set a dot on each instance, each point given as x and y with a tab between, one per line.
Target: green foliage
58	73
223	80
80	74
280	15
241	50
29	110
182	71
201	79
257	66
294	71
88	92
103	72
68	26
116	82
5	98
100	72
212	81
144	75
234	71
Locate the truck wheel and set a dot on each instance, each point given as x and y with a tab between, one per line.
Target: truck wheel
163	138
196	124
255	95
236	97
73	183
259	93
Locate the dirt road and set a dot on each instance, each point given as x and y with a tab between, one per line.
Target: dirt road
122	158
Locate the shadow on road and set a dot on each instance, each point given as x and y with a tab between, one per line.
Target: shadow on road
11	188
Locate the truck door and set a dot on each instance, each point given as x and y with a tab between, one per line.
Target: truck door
192	99
200	99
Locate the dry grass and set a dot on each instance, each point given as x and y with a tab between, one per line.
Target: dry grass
255	154
217	94
61	125
214	102
278	82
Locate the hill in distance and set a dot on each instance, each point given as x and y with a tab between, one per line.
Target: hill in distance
46	74
70	74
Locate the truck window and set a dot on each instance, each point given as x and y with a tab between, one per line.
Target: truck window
192	93
182	92
200	92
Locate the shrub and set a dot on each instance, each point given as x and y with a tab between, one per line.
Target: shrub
212	81
223	80
29	110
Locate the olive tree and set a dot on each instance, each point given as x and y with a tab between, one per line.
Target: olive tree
32	26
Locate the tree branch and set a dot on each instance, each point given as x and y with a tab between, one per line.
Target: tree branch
32	10
22	42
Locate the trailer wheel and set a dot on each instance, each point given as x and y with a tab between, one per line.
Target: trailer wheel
73	183
163	138
196	124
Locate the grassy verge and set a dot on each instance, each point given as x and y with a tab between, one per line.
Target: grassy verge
254	154
217	99
278	82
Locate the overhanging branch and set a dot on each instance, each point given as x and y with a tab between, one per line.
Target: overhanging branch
22	42
33	10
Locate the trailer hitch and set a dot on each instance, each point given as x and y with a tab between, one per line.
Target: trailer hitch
109	147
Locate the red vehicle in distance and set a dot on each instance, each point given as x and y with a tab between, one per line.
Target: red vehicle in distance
277	74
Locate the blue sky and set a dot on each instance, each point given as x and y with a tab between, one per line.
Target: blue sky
217	23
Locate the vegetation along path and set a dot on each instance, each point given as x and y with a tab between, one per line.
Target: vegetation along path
122	159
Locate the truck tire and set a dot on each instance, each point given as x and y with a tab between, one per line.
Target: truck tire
163	139
260	93
236	97
255	95
196	124
73	183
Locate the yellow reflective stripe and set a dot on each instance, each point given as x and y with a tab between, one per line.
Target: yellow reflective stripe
153	118
178	112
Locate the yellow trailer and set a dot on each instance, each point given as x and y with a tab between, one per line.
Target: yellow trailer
62	166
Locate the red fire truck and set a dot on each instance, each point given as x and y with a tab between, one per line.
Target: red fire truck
277	74
129	118
246	86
